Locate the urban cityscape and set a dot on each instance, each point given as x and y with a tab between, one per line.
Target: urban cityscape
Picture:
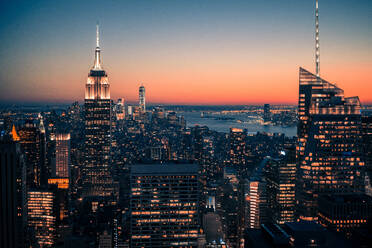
106	172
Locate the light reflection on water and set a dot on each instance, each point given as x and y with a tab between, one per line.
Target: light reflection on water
247	122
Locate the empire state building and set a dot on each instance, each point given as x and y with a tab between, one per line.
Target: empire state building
96	172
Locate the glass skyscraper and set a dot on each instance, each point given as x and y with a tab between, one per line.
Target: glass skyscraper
329	143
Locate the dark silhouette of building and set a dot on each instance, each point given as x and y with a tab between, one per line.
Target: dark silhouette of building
267	113
12	194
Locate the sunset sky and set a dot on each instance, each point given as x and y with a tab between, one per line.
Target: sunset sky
184	52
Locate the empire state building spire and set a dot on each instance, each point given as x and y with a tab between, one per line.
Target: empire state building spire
97	57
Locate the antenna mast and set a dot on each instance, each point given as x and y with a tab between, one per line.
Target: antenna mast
317	52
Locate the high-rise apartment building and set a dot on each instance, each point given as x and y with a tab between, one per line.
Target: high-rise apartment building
12	194
329	148
164	205
96	173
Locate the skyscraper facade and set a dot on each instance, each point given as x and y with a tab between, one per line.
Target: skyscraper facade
329	143
96	174
62	155
31	140
280	177
142	99
164	205
41	217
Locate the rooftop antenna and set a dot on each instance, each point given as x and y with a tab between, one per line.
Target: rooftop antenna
317	52
97	34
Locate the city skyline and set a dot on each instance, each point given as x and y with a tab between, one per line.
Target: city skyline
206	59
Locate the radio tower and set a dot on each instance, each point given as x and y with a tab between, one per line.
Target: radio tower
317	53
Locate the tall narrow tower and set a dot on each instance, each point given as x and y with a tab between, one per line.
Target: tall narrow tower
317	52
96	173
142	98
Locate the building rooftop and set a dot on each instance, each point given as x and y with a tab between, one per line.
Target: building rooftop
168	168
304	226
355	198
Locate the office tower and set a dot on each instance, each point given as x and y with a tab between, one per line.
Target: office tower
142	99
12	194
120	109
164	205
345	213
367	151
62	159
237	142
31	140
41	217
255	198
329	151
267	113
280	177
96	174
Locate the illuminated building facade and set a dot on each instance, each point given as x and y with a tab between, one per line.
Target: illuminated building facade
142	99
12	194
345	213
40	217
31	140
280	177
62	164
329	143
164	205
367	151
120	109
96	174
256	203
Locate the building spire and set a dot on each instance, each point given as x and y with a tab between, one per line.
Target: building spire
97	35
97	57
317	52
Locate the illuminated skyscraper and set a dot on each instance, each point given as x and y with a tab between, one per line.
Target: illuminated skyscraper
280	177
142	98
41	217
256	198
62	155
164	205
31	140
329	151
237	144
96	174
120	109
